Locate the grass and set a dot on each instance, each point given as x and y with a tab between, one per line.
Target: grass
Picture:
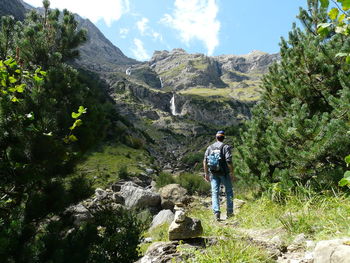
206	92
319	217
104	166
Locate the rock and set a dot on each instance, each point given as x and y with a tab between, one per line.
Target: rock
238	204
149	171
299	242
180	216
100	194
189	228
79	213
161	252
117	198
329	251
164	216
137	197
171	194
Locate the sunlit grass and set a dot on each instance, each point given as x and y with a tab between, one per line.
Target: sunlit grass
102	166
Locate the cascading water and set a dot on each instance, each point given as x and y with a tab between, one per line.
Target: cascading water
161	82
172	106
128	71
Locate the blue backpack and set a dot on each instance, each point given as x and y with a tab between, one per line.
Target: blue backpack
215	159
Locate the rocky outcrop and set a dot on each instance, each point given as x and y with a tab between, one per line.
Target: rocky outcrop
172	194
98	53
328	251
139	198
164	216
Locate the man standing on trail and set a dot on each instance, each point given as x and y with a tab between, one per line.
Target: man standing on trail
218	169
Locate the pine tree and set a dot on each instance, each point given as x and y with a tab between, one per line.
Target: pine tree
38	93
299	129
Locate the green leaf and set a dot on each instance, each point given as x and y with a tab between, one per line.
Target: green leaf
347	175
12	80
333	14
82	109
347	60
30	116
75	115
344	181
347	160
324	3
323	29
20	88
345	4
341	18
14	99
72	138
340	55
77	123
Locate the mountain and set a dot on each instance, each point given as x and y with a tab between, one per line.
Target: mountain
98	53
12	7
175	96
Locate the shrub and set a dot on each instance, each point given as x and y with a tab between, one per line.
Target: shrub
194	160
123	172
164	179
134	142
194	184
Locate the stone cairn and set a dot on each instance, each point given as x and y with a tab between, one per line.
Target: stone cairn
184	227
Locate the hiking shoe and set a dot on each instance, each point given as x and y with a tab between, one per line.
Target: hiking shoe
229	215
217	216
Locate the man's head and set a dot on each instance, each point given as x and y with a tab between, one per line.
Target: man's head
220	136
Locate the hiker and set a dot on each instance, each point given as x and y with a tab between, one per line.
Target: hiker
218	169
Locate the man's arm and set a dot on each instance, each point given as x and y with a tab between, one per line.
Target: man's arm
230	167
206	171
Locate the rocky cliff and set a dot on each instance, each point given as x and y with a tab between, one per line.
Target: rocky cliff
12	7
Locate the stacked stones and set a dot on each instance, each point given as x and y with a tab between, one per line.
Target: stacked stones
184	227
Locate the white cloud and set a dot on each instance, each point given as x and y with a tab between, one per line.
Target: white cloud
142	25
196	19
157	36
108	10
123	32
139	51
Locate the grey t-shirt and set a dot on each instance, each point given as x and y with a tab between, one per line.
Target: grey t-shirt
226	152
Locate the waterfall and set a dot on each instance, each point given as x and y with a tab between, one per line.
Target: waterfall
128	71
172	106
161	82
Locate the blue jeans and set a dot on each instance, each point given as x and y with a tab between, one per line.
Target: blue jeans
216	181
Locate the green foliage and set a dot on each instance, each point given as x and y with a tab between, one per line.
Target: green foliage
164	179
194	184
299	130
38	93
123	172
345	181
194	160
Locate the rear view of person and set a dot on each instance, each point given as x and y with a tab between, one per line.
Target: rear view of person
218	170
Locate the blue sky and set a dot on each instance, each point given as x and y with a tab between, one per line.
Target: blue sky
213	27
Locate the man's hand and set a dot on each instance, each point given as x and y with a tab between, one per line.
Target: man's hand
206	177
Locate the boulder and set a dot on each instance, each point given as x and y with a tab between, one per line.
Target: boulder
337	250
137	197
189	228
79	213
164	216
171	194
100	194
161	252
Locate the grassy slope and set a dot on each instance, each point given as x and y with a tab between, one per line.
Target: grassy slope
103	166
318	216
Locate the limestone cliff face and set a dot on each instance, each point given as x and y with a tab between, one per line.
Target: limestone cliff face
180	70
